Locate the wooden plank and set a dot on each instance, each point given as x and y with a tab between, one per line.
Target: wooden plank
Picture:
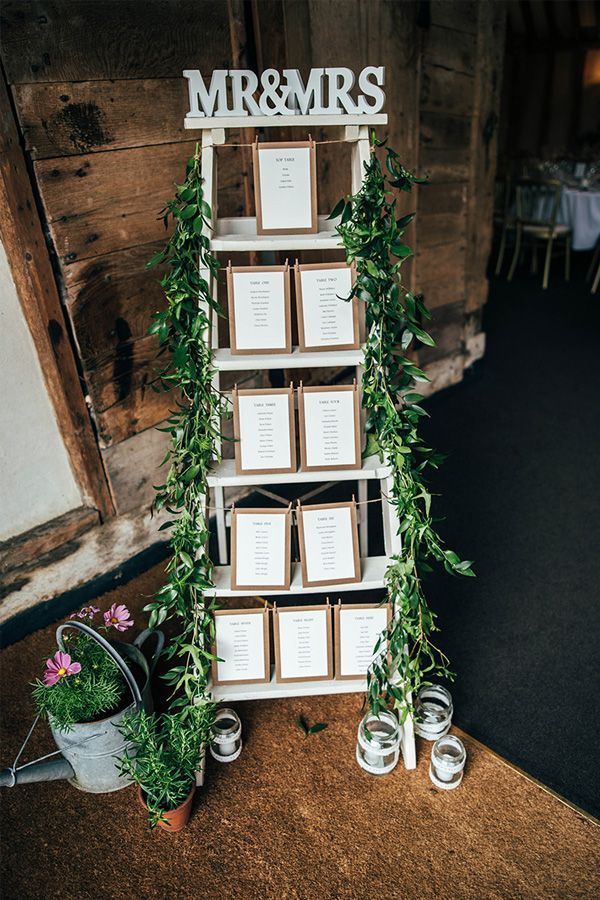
439	131
21	234
38	542
484	147
439	228
101	202
78	40
142	408
385	31
100	550
123	399
442	198
475	348
445	91
443	373
442	274
89	116
133	469
442	166
450	49
460	15
448	330
110	300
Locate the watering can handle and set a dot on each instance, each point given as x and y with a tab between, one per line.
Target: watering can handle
160	643
116	658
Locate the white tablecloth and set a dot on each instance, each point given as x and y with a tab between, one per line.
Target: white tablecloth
581	210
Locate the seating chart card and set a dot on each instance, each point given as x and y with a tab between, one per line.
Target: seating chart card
259	309
326	321
242	646
285	187
264	430
328	537
260	549
357	630
303	645
329	427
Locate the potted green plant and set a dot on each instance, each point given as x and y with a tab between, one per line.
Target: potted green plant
165	754
91	682
82	683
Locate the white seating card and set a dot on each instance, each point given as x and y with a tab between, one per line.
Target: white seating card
303	643
260	555
259	309
326	319
330	423
358	628
329	544
285	187
265	431
242	645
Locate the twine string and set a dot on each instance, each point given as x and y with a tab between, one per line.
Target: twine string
288	503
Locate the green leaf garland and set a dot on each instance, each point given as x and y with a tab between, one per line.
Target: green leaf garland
372	234
183	329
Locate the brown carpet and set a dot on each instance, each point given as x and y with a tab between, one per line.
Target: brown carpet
293	817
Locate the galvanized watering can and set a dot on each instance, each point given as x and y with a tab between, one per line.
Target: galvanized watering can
86	754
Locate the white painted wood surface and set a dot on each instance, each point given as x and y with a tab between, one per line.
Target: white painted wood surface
274	690
208	122
235	235
372	568
223	475
224	361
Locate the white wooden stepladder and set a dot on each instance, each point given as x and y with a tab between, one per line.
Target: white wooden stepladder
239	234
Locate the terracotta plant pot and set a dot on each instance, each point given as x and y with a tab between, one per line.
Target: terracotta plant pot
176	819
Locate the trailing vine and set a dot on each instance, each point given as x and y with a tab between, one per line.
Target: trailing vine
183	330
372	236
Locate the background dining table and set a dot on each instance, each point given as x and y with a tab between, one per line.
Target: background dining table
580	208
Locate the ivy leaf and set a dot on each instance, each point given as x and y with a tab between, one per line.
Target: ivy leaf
156	259
188	211
405	220
320	726
307	729
401	250
338	209
373	447
423	336
346	214
302	725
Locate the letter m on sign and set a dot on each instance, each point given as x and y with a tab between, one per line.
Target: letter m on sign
202	100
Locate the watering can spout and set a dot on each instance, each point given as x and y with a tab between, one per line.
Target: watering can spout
45	770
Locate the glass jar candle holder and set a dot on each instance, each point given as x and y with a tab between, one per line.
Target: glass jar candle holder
226	743
433	712
448	757
378	746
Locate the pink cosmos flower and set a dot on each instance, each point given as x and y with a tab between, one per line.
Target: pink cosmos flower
118	617
86	612
59	667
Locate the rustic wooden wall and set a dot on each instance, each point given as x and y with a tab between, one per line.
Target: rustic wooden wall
99	100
